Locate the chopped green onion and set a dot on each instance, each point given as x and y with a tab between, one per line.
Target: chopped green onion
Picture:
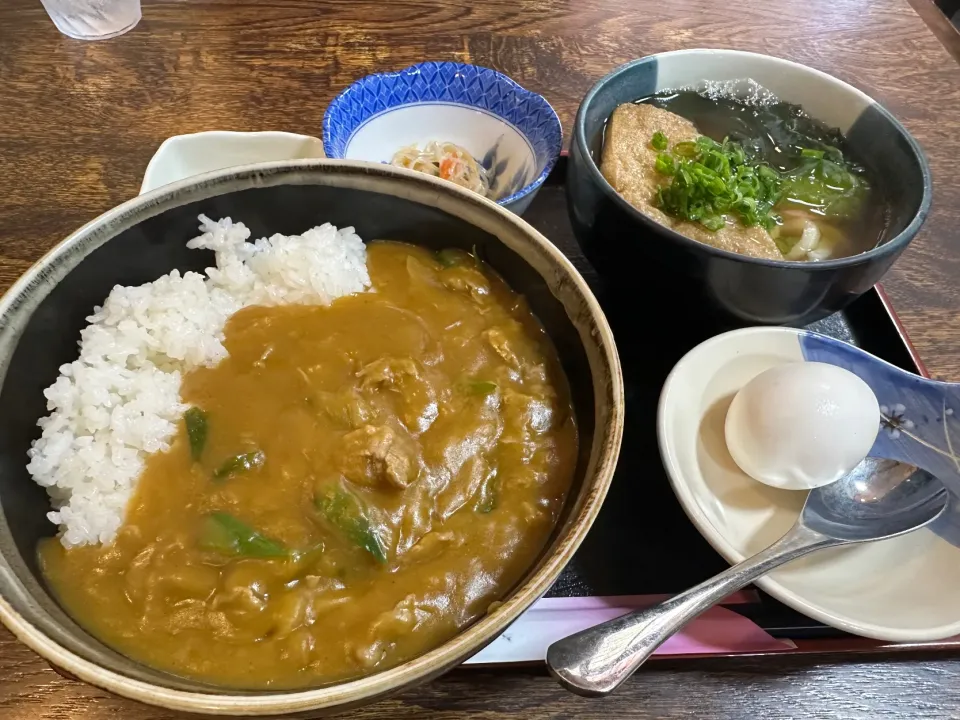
240	463
225	534
196	421
481	387
705	144
450	258
343	511
658	141
686	149
711	180
713	223
489	495
665	164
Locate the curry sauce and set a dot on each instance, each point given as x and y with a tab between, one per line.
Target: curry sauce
352	486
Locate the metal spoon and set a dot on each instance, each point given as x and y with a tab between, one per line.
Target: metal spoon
879	499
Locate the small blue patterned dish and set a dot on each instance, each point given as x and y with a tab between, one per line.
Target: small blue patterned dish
514	133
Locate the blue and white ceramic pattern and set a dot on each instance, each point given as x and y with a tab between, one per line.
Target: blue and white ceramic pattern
903	589
919	421
514	133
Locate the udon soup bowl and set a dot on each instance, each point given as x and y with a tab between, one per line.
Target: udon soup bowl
638	255
40	321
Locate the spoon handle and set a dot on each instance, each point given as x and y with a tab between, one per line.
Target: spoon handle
597	660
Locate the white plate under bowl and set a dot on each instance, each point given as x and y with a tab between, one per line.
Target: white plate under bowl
184	156
904	589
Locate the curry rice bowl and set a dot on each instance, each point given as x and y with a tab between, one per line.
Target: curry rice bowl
120	400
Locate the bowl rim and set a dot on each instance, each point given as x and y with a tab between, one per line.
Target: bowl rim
546	106
891	247
693	507
426	190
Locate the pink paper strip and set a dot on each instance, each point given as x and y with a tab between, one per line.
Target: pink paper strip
631	602
717	631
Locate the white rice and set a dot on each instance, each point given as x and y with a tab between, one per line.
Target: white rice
120	400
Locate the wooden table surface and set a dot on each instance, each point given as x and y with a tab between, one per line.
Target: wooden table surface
79	121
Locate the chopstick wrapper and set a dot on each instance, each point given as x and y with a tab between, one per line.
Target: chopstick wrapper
719	631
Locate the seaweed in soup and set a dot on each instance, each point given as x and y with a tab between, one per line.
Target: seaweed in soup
732	166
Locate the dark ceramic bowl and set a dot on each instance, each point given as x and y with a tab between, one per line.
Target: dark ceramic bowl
635	254
42	314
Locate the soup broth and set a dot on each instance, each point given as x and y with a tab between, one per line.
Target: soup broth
775	131
817	187
353	485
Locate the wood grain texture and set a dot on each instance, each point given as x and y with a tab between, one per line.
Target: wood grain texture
831	688
937	17
79	121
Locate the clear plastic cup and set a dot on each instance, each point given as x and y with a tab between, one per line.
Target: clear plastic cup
93	19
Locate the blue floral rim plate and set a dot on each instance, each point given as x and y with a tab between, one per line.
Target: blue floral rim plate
448	83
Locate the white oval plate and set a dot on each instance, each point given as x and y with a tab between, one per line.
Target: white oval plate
904	589
184	156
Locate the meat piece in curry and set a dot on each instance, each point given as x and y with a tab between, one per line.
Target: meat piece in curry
352	486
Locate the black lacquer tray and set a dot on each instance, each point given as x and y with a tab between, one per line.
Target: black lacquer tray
643	543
